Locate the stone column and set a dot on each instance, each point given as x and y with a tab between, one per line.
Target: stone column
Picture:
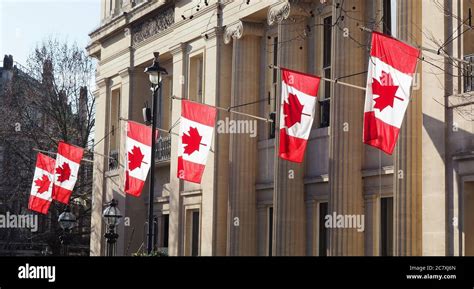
242	222
407	161
345	133
289	236
176	214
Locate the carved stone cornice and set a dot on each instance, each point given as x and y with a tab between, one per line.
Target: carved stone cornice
155	25
242	28
281	11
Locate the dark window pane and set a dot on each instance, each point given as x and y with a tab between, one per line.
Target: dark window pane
387	17
386	230
272	124
469	74
195	234
327	41
270	231
275	58
323	211
166	224
325	110
327	84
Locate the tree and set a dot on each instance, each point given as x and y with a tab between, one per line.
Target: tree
48	101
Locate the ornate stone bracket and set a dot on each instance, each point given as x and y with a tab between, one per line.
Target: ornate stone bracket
279	13
241	28
282	10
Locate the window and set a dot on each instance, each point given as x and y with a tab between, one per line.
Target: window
469	74
386	226
273	85
195	234
114	129
270	231
387	17
327	43
166	225
196	78
323	231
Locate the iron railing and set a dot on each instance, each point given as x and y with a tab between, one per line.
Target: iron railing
469	73
163	149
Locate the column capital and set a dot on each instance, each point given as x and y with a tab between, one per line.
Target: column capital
178	48
103	82
237	29
212	33
282	10
126	72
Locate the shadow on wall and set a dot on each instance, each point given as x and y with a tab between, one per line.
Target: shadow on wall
435	129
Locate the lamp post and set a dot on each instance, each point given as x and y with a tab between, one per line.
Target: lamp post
155	71
112	218
67	221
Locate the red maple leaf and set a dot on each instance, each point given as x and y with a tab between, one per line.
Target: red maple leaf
43	184
135	158
192	141
385	90
64	172
293	110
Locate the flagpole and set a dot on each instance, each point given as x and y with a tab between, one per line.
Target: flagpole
52	153
363	28
271	66
225	109
156	128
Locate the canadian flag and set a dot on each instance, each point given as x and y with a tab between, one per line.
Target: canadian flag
298	104
138	157
42	187
68	161
196	131
389	78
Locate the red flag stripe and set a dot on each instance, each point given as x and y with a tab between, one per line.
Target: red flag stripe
45	163
139	132
133	186
303	82
189	171
198	112
399	55
379	134
70	152
39	205
292	148
61	194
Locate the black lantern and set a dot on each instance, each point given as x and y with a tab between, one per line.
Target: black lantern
67	221
112	218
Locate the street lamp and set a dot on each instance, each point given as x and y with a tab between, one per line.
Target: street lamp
67	221
112	218
155	71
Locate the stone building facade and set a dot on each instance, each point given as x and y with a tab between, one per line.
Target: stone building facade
419	201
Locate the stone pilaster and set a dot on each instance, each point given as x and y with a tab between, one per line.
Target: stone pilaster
242	222
289	236
346	119
407	161
176	243
100	166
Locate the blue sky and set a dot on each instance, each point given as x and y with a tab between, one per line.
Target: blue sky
25	23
